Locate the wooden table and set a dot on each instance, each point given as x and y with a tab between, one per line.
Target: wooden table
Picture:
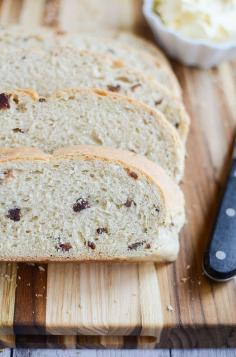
137	353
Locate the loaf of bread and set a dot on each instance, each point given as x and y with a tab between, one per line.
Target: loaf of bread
140	43
87	116
9	35
65	67
86	203
139	59
153	66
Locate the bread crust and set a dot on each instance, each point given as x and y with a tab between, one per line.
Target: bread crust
155	57
34	96
184	125
87	259
169	132
146	44
168	189
159	116
154	173
22	154
152	85
41	32
147	48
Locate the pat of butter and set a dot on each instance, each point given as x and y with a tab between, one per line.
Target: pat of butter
213	20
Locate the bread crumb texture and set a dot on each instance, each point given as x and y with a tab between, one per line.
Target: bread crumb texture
83	209
65	67
91	117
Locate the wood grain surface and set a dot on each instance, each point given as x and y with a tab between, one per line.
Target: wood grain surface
73	353
112	353
175	302
204	353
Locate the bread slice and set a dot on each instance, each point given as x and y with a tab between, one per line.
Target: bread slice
140	59
87	116
64	67
97	42
86	203
140	43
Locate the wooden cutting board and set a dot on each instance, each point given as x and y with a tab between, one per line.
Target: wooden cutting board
98	305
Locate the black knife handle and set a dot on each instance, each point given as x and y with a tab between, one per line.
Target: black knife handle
220	258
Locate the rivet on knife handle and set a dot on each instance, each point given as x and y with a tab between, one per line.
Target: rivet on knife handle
220	258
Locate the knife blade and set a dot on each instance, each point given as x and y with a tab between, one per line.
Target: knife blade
219	262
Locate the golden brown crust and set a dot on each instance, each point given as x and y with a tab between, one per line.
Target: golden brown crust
34	96
140	165
156	57
184	125
154	86
149	46
170	190
85	259
25	92
179	136
136	166
22	154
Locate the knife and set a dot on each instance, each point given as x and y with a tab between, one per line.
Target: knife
219	261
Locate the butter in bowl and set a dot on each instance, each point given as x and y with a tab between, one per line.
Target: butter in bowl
197	33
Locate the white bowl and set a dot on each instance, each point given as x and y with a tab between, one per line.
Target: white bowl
203	54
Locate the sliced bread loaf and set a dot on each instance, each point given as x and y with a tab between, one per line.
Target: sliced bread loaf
136	58
86	203
97	42
140	43
87	116
10	34
64	67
